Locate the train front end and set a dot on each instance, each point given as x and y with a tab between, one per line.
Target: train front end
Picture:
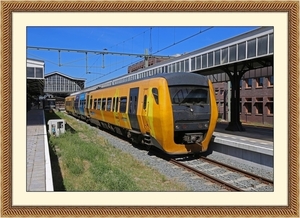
194	113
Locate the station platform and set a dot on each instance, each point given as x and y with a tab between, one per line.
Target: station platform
251	131
38	165
255	144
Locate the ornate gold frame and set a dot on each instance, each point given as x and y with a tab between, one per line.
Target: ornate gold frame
8	7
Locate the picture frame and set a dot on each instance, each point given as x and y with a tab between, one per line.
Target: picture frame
9	7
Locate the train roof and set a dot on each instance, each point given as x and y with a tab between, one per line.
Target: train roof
179	78
182	78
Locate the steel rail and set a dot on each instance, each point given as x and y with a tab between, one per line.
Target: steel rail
248	174
202	174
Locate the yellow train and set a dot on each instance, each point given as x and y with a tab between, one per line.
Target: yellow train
174	112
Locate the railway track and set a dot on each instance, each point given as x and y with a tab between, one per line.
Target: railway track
206	176
230	178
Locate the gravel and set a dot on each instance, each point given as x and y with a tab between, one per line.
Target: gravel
192	182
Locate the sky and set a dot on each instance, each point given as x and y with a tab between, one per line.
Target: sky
97	68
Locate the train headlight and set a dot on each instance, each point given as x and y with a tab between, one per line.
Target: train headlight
177	127
205	125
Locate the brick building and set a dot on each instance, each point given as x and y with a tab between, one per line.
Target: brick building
141	64
256	99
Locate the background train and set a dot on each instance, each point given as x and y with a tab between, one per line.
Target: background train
175	112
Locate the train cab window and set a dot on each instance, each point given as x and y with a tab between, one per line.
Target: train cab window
155	94
99	104
123	103
108	104
95	104
189	95
103	103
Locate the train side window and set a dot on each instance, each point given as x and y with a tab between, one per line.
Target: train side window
123	103
113	104
108	104
99	104
155	94
117	105
95	104
91	103
103	103
145	102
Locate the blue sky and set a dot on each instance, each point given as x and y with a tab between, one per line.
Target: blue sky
164	41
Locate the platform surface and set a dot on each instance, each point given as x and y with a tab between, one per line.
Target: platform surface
38	166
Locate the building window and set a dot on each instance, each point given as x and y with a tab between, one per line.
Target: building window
192	63
221	91
259	82
262	45
30	72
242	51
186	65
270	106
198	62
216	91
249	83
210	59
271	80
251	52
204	61
248	106
232	53
224	55
271	43
259	106
217	57
39	72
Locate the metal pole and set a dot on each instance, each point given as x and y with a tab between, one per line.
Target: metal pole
229	101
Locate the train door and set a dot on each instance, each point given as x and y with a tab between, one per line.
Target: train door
132	110
145	111
86	106
73	105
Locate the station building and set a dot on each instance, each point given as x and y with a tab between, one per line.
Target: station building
51	89
58	84
35	77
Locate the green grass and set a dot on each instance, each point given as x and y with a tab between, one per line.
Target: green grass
89	163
